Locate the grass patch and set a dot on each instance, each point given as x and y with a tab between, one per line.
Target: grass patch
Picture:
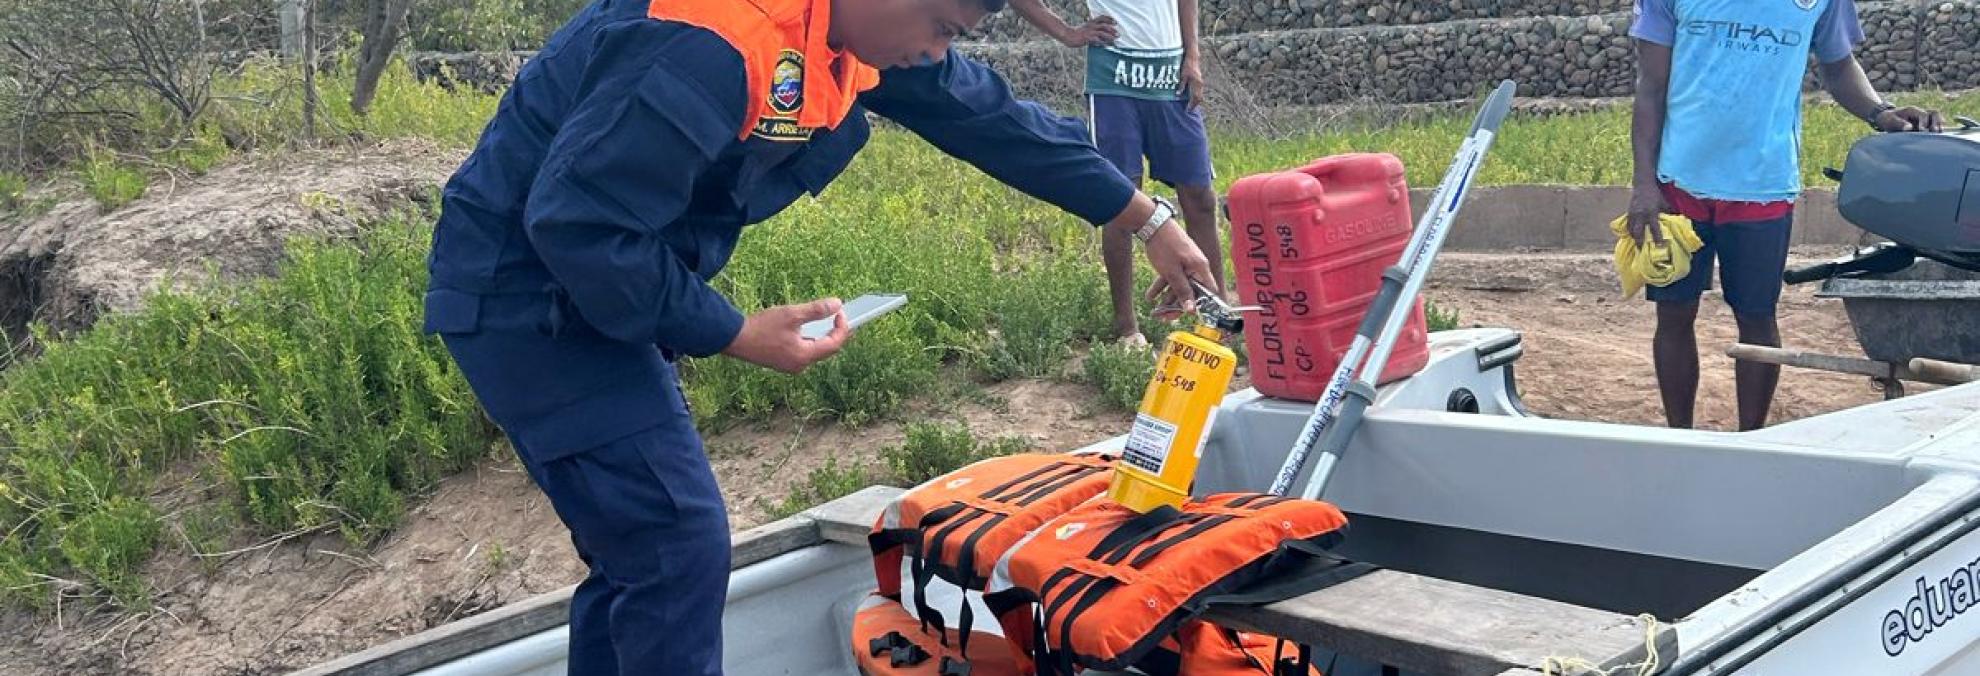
312	396
1590	148
199	154
110	181
930	450
1121	372
823	485
1439	318
13	191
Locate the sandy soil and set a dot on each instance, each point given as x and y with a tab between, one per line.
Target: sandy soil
1588	351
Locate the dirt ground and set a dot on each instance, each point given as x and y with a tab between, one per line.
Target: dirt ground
70	264
487	537
1588	352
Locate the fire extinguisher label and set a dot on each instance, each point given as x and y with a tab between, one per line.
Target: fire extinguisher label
1148	443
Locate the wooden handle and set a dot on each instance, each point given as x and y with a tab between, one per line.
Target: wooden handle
1944	371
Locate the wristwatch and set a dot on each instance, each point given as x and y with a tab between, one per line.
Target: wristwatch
1882	107
1163	212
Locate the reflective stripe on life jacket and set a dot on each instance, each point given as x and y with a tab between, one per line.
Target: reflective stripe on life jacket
797	81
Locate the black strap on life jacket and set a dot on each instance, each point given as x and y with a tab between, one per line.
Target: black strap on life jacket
1300	567
1023	490
1300	666
1306	567
1098	588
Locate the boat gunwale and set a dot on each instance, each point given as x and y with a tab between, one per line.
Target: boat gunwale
549	610
1596	635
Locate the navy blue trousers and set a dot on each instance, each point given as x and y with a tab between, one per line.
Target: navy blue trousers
645	515
604	430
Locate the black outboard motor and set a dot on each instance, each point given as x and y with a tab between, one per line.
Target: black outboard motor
1919	190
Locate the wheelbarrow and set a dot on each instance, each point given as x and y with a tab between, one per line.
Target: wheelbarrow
1913	300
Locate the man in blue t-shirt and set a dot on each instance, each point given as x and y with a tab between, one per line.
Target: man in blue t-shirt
1716	138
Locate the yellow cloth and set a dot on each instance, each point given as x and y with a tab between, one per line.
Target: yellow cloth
1651	262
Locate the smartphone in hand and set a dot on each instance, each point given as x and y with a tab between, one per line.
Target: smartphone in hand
857	311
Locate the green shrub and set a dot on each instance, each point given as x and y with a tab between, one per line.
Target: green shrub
1121	372
475	25
108	541
1439	318
199	154
1051	307
313	394
13	191
931	450
823	485
109	181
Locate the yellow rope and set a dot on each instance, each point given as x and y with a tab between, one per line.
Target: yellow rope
1571	666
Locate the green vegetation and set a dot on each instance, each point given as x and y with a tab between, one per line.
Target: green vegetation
1582	148
825	484
312	398
263	108
13	191
1439	318
930	450
470	25
110	181
1121	373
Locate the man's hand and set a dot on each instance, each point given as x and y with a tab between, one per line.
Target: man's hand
1910	118
1099	30
1192	81
1177	262
770	337
1646	204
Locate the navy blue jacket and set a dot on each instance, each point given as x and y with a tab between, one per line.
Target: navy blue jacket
611	185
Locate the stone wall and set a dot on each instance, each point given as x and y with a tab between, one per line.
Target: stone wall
1910	45
1589	56
1231	17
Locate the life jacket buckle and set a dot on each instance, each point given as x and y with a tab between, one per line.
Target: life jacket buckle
908	655
954	667
892	640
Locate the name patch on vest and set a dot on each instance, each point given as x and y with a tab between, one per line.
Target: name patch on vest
786	98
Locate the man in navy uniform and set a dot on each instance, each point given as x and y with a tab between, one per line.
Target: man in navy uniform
571	260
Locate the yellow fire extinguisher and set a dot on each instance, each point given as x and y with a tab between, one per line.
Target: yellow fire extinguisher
1191	374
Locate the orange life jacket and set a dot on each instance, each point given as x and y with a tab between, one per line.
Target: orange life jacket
1108	585
1126	588
887	641
797	81
1200	648
958	525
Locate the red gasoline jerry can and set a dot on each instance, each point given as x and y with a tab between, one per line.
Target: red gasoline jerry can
1309	245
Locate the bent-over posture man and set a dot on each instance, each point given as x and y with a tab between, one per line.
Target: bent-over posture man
571	261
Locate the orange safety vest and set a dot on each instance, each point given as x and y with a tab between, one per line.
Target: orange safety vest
798	82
